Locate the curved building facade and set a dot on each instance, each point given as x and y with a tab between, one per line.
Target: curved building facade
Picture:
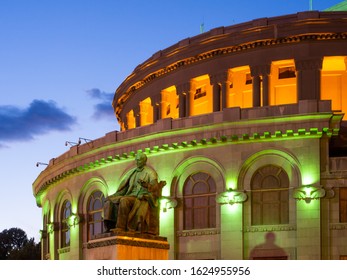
245	123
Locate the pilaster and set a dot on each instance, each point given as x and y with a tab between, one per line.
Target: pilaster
219	85
183	92
261	84
308	78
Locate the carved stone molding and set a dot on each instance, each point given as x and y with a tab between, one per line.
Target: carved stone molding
269	228
160	243
74	220
231	197
260	70
338	226
309	64
300	65
87	167
51	227
329	192
183	88
189	233
219	78
63	250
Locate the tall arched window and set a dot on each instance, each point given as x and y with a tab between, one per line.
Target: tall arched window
270	196
199	201
65	228
95	206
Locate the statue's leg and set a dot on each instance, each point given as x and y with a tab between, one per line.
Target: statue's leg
125	205
109	215
132	223
153	227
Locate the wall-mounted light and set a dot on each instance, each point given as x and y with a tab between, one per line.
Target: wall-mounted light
308	193
50	228
40	163
167	203
69	143
231	197
84	139
73	220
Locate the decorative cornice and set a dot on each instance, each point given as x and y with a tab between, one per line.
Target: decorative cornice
309	64
269	228
128	241
221	52
201	143
64	250
198	232
338	226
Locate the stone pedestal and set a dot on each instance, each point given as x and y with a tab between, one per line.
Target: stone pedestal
127	246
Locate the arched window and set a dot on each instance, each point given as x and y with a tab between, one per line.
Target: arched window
270	196
283	81
146	111
95	206
169	103
333	82
201	99
240	87
65	228
131	120
199	201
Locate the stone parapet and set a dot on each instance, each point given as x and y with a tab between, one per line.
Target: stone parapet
127	246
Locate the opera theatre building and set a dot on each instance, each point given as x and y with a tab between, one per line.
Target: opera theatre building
245	124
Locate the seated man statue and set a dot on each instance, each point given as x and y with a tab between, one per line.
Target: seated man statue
135	205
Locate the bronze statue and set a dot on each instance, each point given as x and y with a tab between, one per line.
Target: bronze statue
135	205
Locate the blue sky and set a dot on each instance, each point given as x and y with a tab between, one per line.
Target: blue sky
61	61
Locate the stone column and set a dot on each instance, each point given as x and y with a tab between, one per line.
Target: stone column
261	84
183	92
219	82
308	78
256	91
266	91
156	103
137	116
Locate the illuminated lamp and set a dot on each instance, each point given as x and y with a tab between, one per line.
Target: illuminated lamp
308	193
50	228
231	197
167	203
73	220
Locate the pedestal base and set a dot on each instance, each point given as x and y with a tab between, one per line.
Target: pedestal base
127	246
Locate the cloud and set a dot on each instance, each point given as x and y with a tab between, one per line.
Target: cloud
41	117
103	109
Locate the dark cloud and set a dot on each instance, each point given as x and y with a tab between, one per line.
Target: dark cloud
39	118
103	109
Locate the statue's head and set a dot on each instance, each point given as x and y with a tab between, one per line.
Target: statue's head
140	159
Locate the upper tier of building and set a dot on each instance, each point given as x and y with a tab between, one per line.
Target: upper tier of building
263	62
